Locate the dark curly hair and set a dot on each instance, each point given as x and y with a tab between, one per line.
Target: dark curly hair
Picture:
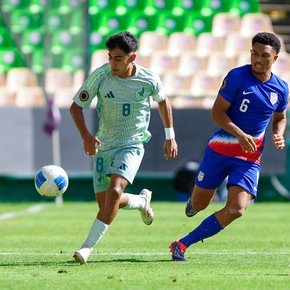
267	38
123	40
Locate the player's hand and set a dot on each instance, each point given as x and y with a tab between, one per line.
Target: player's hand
91	145
279	141
170	149
247	143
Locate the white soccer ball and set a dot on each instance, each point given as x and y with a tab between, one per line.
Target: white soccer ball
51	181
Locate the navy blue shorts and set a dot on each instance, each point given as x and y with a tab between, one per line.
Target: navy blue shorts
215	167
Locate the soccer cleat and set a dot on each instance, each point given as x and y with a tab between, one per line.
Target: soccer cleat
147	213
177	249
189	211
81	256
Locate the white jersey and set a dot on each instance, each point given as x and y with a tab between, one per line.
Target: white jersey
123	105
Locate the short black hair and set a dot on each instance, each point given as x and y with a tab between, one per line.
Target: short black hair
123	40
267	38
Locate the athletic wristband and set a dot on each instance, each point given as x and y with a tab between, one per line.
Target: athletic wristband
169	133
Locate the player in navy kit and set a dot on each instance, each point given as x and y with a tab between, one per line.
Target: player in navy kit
249	96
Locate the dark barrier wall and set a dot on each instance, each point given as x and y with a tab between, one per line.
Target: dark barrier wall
24	147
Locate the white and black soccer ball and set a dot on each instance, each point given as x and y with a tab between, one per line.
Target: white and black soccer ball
51	181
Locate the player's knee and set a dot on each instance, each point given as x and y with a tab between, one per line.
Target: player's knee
115	193
236	212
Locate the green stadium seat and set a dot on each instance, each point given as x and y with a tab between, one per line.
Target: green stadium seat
242	7
97	6
76	25
132	5
212	7
69	6
195	23
184	6
10	5
111	22
55	21
38	61
6	39
139	22
36	6
63	39
97	40
73	60
10	58
21	20
31	40
167	23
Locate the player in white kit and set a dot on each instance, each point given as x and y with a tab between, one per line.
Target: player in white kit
123	90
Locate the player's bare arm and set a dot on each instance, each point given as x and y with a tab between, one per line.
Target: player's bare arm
170	146
91	144
278	128
221	118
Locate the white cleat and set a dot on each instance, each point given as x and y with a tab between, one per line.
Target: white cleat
147	213
81	256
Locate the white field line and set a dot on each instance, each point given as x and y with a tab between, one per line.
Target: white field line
30	210
150	254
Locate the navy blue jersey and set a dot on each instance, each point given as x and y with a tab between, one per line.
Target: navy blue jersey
253	102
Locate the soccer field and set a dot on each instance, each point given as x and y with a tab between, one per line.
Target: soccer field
37	243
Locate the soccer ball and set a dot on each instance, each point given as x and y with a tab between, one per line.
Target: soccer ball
51	181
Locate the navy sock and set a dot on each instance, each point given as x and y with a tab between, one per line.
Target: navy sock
209	227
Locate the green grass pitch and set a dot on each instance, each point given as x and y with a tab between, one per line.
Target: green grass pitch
36	249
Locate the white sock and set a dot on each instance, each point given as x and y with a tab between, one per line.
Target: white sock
135	201
98	229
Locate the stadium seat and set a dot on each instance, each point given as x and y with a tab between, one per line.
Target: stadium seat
212	7
22	19
190	62
138	22
143	60
205	85
2	79
31	40
54	21
185	6
179	42
133	5
242	7
219	63
18	78
235	43
36	6
39	61
78	80
252	23
100	6
99	57
244	58
168	23
73	60
206	43
6	39
111	23
57	78
76	24
63	97
225	23
10	58
162	61
195	23
97	40
176	85
151	41
69	6
9	6
282	64
30	97
6	97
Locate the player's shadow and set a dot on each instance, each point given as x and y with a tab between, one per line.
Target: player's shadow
126	260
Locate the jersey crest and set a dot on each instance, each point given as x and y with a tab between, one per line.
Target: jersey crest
273	98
